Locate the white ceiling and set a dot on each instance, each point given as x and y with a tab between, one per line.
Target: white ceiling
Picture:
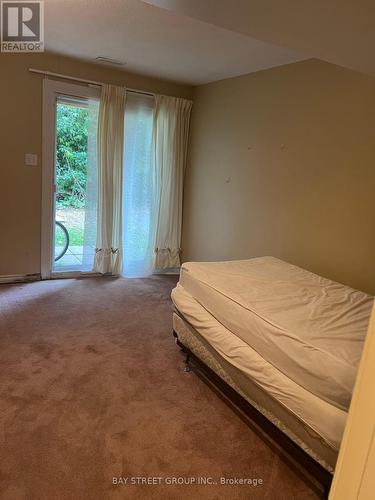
337	31
156	42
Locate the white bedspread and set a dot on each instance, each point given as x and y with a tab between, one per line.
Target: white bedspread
308	327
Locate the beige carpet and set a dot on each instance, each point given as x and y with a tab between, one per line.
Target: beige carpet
91	390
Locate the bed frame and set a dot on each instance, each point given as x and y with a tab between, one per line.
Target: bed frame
237	402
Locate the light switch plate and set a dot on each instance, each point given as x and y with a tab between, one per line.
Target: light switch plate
31	159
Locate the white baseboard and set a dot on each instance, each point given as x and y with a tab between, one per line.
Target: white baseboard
19	278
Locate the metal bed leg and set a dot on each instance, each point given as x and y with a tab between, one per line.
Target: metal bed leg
187	368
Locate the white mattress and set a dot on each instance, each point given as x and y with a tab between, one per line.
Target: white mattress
324	419
309	328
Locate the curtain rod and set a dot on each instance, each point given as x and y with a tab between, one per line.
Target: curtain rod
83	80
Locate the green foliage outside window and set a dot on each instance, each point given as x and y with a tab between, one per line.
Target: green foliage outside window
71	156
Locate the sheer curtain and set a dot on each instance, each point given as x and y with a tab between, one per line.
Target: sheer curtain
110	157
138	188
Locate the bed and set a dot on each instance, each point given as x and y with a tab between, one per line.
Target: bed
282	340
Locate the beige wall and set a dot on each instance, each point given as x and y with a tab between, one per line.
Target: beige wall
21	132
282	163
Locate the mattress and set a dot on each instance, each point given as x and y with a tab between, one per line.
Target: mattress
320	417
309	328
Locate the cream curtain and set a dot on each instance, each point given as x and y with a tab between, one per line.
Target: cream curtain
108	254
170	142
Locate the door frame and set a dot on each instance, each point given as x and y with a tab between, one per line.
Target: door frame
51	90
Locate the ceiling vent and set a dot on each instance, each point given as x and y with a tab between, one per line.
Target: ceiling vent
109	61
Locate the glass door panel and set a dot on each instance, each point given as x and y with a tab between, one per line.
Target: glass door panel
75	187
